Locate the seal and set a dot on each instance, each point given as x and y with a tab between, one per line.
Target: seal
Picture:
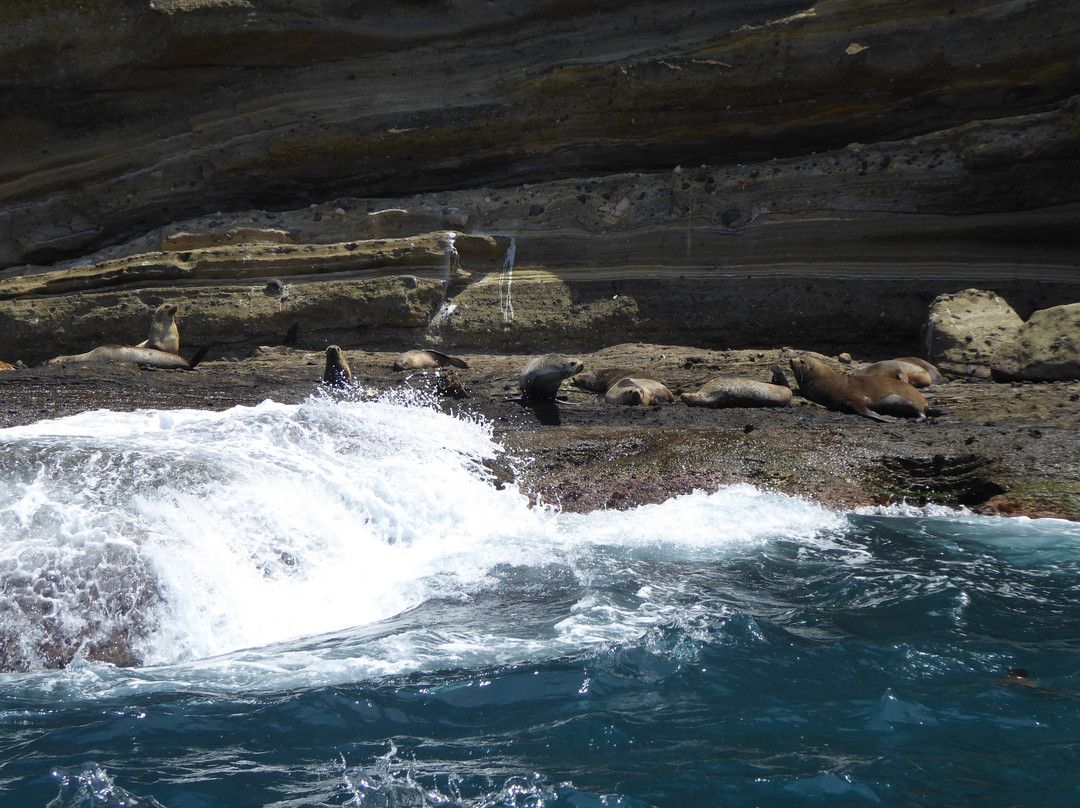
147	357
598	381
736	392
6	366
915	375
336	371
936	376
864	395
637	390
164	336
541	377
423	358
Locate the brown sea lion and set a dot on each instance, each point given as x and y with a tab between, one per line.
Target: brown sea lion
738	393
636	390
541	377
599	381
915	375
336	371
164	335
936	376
147	357
423	358
6	366
869	396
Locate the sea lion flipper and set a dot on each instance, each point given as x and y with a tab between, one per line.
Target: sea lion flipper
779	377
199	356
449	360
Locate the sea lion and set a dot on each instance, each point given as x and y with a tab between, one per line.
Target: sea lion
636	390
336	372
164	336
915	375
147	357
865	395
738	393
936	376
6	366
422	358
540	378
599	381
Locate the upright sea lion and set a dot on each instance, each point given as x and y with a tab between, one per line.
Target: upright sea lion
864	395
426	358
540	378
915	375
147	357
600	380
738	393
636	390
336	372
164	336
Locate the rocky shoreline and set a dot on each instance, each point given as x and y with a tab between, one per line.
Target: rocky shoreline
1000	448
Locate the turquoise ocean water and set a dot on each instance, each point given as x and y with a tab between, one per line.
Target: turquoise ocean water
331	604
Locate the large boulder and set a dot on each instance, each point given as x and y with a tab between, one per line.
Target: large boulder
967	330
1045	348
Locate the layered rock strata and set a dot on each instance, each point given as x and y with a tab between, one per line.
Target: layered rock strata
762	173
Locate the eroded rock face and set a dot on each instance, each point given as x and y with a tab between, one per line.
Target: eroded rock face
1045	348
728	174
967	330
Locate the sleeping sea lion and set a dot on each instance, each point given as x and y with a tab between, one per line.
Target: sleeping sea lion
738	393
422	358
541	377
147	357
6	366
637	390
915	375
599	381
336	372
164	336
864	395
936	376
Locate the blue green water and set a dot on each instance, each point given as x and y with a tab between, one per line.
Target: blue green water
414	636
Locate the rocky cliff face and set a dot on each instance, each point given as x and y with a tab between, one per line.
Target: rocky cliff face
522	174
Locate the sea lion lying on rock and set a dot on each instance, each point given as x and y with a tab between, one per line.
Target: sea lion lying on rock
869	396
916	372
146	357
738	392
598	381
541	377
164	335
336	371
6	366
423	358
635	390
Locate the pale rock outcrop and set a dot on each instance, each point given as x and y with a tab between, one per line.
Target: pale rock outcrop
968	329
1045	348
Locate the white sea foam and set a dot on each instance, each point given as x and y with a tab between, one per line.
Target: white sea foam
195	535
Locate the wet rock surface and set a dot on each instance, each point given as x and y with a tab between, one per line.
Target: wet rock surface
1005	448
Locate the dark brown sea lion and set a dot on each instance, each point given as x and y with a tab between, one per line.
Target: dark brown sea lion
422	358
635	390
147	357
599	381
541	377
738	393
915	375
336	372
164	335
865	395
